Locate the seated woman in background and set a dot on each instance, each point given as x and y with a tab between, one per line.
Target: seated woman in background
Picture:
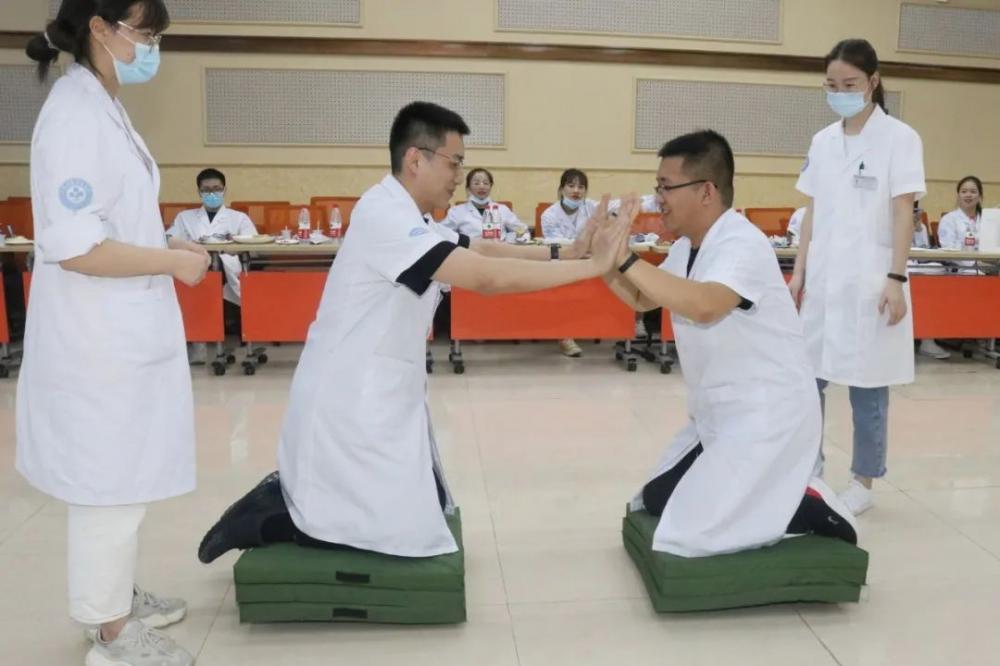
959	229
565	219
468	218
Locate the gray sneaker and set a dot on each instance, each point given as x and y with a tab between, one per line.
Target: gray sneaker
138	645
151	610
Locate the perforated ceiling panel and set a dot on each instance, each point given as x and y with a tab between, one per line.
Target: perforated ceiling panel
756	119
268	106
21	101
949	30
746	20
307	12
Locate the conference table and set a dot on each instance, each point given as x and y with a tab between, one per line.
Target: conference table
282	285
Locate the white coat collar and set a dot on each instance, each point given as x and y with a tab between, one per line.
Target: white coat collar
218	214
872	127
88	81
400	193
714	230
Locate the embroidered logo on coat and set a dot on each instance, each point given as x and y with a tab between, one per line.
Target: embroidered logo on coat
805	165
76	194
419	231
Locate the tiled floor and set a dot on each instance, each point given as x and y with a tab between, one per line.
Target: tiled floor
542	453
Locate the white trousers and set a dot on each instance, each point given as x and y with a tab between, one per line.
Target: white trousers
102	549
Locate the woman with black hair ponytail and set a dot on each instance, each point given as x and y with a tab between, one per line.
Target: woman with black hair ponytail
863	174
105	418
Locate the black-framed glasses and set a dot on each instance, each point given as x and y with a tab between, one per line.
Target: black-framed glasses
212	190
663	189
455	162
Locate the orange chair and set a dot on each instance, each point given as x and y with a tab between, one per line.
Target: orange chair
278	218
168	211
16	214
345	204
932	229
539	209
255	210
772	221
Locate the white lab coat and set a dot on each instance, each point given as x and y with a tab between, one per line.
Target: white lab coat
752	403
357	450
104	406
795	224
921	238
556	223
647	204
466	219
194	224
953	228
850	253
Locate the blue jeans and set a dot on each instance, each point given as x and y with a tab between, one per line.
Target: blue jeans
870	410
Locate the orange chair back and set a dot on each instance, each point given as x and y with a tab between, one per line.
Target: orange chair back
539	209
255	210
345	204
772	221
168	211
278	218
16	214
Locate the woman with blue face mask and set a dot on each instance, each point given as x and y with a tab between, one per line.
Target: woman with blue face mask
468	218
565	220
105	419
863	174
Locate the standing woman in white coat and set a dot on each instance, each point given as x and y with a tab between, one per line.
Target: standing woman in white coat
105	419
863	174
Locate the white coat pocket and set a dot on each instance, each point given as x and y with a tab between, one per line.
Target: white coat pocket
140	332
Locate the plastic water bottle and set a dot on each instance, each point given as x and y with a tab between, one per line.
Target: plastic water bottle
491	223
305	224
336	224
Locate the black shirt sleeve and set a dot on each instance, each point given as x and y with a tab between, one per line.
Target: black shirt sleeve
464	241
418	277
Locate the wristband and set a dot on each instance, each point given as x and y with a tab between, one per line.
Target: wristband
897	277
628	263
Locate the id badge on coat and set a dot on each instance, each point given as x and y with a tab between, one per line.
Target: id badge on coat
869	183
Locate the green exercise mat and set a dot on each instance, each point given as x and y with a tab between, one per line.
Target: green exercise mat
290	583
806	569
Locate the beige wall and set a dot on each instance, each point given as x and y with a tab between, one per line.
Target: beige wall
559	114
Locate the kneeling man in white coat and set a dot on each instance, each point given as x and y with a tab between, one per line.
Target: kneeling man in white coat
740	474
357	461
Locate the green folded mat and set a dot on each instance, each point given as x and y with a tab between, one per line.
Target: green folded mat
800	569
290	583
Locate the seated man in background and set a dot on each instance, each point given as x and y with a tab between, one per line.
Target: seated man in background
740	474
214	219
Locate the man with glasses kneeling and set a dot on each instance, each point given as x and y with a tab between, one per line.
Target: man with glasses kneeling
740	473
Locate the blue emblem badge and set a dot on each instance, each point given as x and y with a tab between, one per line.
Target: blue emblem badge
76	194
806	165
419	231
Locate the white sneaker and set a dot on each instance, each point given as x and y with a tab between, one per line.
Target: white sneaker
856	497
929	347
570	348
138	645
151	610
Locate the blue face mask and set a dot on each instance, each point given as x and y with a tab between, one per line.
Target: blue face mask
479	201
142	68
571	204
846	104
212	200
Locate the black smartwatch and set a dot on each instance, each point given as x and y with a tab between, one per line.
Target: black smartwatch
627	264
898	278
